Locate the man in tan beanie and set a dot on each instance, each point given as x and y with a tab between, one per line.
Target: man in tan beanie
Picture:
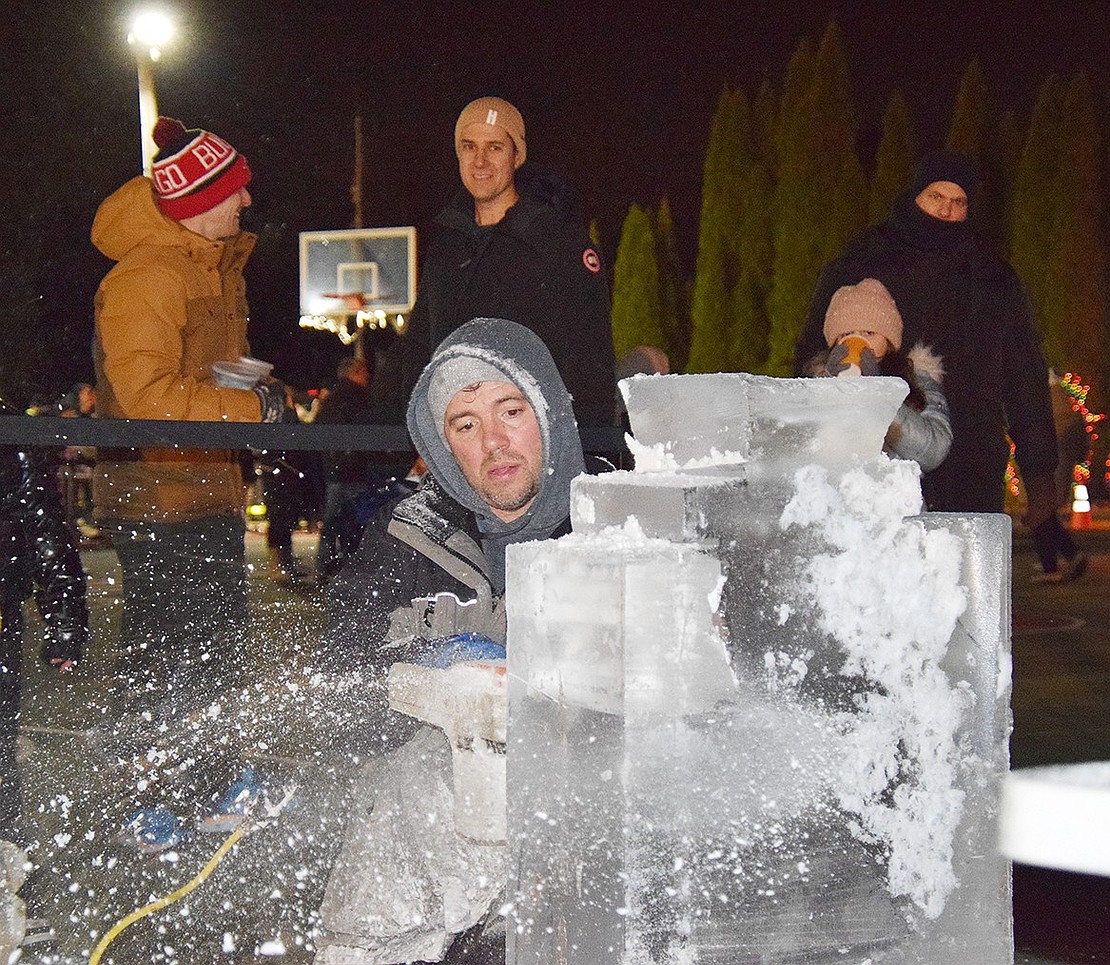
490	145
511	244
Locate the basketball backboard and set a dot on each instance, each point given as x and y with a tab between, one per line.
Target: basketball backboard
369	270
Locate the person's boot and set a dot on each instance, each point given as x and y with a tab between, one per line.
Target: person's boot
284	567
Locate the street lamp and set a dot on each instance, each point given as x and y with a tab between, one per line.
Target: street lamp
150	31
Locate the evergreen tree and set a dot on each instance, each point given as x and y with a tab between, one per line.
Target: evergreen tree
973	131
1032	199
637	309
1011	144
673	308
712	311
895	158
1057	246
1075	334
816	170
849	209
749	338
764	126
1034	202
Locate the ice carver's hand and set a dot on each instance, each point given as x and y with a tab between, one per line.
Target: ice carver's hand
853	356
458	648
271	398
1040	498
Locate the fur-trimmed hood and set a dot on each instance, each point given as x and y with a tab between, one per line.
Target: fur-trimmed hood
926	360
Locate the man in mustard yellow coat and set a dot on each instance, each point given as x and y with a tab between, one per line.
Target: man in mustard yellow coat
173	305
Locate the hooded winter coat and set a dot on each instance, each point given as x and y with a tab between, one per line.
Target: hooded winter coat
174	303
921	429
434	564
37	556
536	266
958	297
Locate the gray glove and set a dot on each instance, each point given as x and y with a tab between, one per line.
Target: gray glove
271	398
839	361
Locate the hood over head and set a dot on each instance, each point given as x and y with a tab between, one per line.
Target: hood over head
130	217
496	346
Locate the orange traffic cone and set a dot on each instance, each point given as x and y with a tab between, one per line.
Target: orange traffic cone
1080	507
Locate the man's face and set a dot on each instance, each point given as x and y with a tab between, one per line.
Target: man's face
944	200
487	161
222	221
495	438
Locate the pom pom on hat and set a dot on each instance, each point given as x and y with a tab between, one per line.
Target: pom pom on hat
498	113
169	130
866	307
194	170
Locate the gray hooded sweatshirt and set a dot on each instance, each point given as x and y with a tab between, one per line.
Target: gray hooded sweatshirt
522	359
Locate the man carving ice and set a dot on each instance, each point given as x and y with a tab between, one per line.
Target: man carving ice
492	419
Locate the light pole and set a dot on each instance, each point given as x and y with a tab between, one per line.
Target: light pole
150	31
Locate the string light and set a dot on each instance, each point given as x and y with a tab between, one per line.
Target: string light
1077	392
341	324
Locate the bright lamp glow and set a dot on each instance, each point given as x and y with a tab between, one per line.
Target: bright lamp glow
151	30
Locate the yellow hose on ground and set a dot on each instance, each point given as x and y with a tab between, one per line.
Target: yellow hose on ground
159	903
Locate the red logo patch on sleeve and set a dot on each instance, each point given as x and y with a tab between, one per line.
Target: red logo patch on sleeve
591	260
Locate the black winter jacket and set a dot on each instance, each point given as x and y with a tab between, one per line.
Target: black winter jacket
37	554
348	403
537	267
963	301
418	575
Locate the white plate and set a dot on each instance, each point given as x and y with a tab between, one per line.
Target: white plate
236	375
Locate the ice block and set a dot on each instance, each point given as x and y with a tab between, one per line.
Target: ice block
759	706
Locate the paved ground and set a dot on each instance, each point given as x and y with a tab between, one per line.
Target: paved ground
260	902
1061	702
264	894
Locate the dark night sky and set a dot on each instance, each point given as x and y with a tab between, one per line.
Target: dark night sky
616	96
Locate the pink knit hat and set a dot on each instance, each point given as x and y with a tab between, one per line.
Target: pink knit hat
866	307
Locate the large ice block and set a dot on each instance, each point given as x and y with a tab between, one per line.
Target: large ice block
774	425
828	795
673	506
579	598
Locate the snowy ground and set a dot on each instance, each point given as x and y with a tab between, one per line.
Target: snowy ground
260	902
259	905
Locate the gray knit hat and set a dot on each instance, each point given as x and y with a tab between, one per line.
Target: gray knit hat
866	307
453	375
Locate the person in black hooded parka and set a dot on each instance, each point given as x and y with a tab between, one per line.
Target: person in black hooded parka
957	295
37	558
511	244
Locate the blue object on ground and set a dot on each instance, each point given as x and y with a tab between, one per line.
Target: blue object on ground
458	648
155	829
236	803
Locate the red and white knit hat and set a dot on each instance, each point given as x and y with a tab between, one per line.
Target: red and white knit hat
194	170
